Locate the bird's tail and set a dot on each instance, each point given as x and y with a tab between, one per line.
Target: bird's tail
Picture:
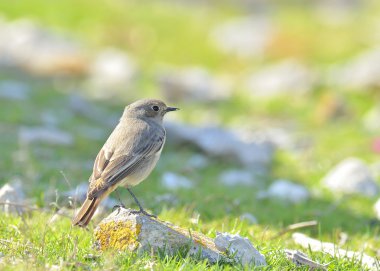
86	212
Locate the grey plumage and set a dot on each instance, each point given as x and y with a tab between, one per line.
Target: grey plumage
129	154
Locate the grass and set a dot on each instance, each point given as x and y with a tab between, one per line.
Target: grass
161	32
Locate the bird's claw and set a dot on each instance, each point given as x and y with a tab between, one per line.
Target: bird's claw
118	207
142	211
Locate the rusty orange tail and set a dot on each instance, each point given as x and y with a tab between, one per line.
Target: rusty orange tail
86	212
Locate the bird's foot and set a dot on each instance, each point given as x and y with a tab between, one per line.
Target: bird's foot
118	207
142	211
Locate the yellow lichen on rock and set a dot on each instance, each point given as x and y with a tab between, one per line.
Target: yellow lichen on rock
118	235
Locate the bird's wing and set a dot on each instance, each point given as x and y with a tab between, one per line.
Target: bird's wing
112	167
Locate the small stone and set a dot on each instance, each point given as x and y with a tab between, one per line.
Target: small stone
240	249
83	107
237	177
197	161
359	257
351	176
193	84
300	259
244	37
284	78
288	191
361	73
14	90
111	71
12	193
174	181
46	135
25	44
223	143
250	218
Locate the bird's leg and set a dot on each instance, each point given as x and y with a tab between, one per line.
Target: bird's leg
138	203
121	204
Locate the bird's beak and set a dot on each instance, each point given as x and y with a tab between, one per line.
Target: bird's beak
168	109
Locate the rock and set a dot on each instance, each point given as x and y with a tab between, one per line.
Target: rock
237	177
46	135
371	119
336	12
174	181
222	143
26	45
332	249
376	207
244	37
299	259
83	107
192	84
197	161
362	73
351	176
12	193
13	90
284	78
126	230
287	191
241	248
123	230
250	218
111	71
278	137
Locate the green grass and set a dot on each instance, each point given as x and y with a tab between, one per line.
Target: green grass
156	32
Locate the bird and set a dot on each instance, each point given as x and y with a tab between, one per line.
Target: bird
128	156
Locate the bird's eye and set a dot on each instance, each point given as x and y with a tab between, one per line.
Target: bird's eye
155	108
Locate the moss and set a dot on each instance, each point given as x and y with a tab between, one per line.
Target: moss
118	235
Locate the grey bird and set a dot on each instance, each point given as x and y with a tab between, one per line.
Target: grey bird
128	156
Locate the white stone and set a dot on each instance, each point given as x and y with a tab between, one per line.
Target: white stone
299	258
11	194
174	181
361	73
219	142
351	176
332	249
243	37
46	135
376	208
285	78
288	191
197	161
250	218
237	177
112	69
25	44
83	107
14	90
192	84
240	248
